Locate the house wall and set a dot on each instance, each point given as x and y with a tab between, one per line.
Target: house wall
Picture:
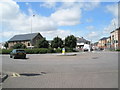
109	42
102	43
119	39
11	44
114	39
34	41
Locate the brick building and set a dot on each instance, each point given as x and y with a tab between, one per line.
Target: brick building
115	39
102	43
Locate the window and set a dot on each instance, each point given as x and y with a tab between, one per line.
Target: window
28	44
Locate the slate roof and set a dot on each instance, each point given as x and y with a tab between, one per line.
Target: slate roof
104	38
81	40
23	37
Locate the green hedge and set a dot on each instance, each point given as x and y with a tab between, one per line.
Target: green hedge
38	51
118	50
5	51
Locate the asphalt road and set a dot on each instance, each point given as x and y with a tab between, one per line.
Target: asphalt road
86	70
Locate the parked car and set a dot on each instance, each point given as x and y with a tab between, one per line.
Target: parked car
18	53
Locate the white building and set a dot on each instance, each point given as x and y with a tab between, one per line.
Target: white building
82	44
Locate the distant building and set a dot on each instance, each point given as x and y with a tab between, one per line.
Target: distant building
115	39
2	46
95	46
102	43
81	42
108	44
28	39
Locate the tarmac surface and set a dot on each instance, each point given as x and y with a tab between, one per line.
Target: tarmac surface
84	70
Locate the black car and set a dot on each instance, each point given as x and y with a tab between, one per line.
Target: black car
18	53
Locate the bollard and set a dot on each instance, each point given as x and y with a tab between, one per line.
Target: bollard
63	51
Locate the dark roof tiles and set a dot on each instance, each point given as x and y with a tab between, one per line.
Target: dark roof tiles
23	37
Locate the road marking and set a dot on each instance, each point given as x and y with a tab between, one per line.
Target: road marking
16	75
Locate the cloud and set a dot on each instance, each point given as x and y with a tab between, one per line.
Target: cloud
64	17
48	4
113	9
89	20
112	26
90	27
9	9
94	36
16	22
60	33
91	5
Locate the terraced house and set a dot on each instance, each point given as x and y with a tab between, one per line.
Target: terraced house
28	39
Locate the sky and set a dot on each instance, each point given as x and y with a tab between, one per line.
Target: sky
91	20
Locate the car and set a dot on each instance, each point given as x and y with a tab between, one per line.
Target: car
18	53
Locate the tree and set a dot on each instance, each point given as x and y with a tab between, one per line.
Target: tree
70	41
42	43
57	42
19	46
6	45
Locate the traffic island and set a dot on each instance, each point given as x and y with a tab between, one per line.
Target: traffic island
3	77
67	54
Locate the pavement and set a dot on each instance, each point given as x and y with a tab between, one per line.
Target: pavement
84	70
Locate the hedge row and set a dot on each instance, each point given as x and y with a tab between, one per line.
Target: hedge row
118	50
38	51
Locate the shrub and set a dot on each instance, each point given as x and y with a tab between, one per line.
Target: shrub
36	51
19	46
59	50
6	51
50	50
70	50
118	50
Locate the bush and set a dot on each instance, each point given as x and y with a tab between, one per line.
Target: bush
36	51
70	50
39	50
118	50
50	50
6	51
19	46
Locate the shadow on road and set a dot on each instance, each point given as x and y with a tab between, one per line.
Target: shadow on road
29	74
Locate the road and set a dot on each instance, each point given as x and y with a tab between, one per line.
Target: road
85	70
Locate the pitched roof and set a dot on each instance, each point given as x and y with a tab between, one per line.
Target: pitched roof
23	37
104	38
80	40
115	30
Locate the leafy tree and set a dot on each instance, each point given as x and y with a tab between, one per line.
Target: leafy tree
6	45
42	43
70	41
19	46
57	42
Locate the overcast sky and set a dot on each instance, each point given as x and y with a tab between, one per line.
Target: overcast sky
91	20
